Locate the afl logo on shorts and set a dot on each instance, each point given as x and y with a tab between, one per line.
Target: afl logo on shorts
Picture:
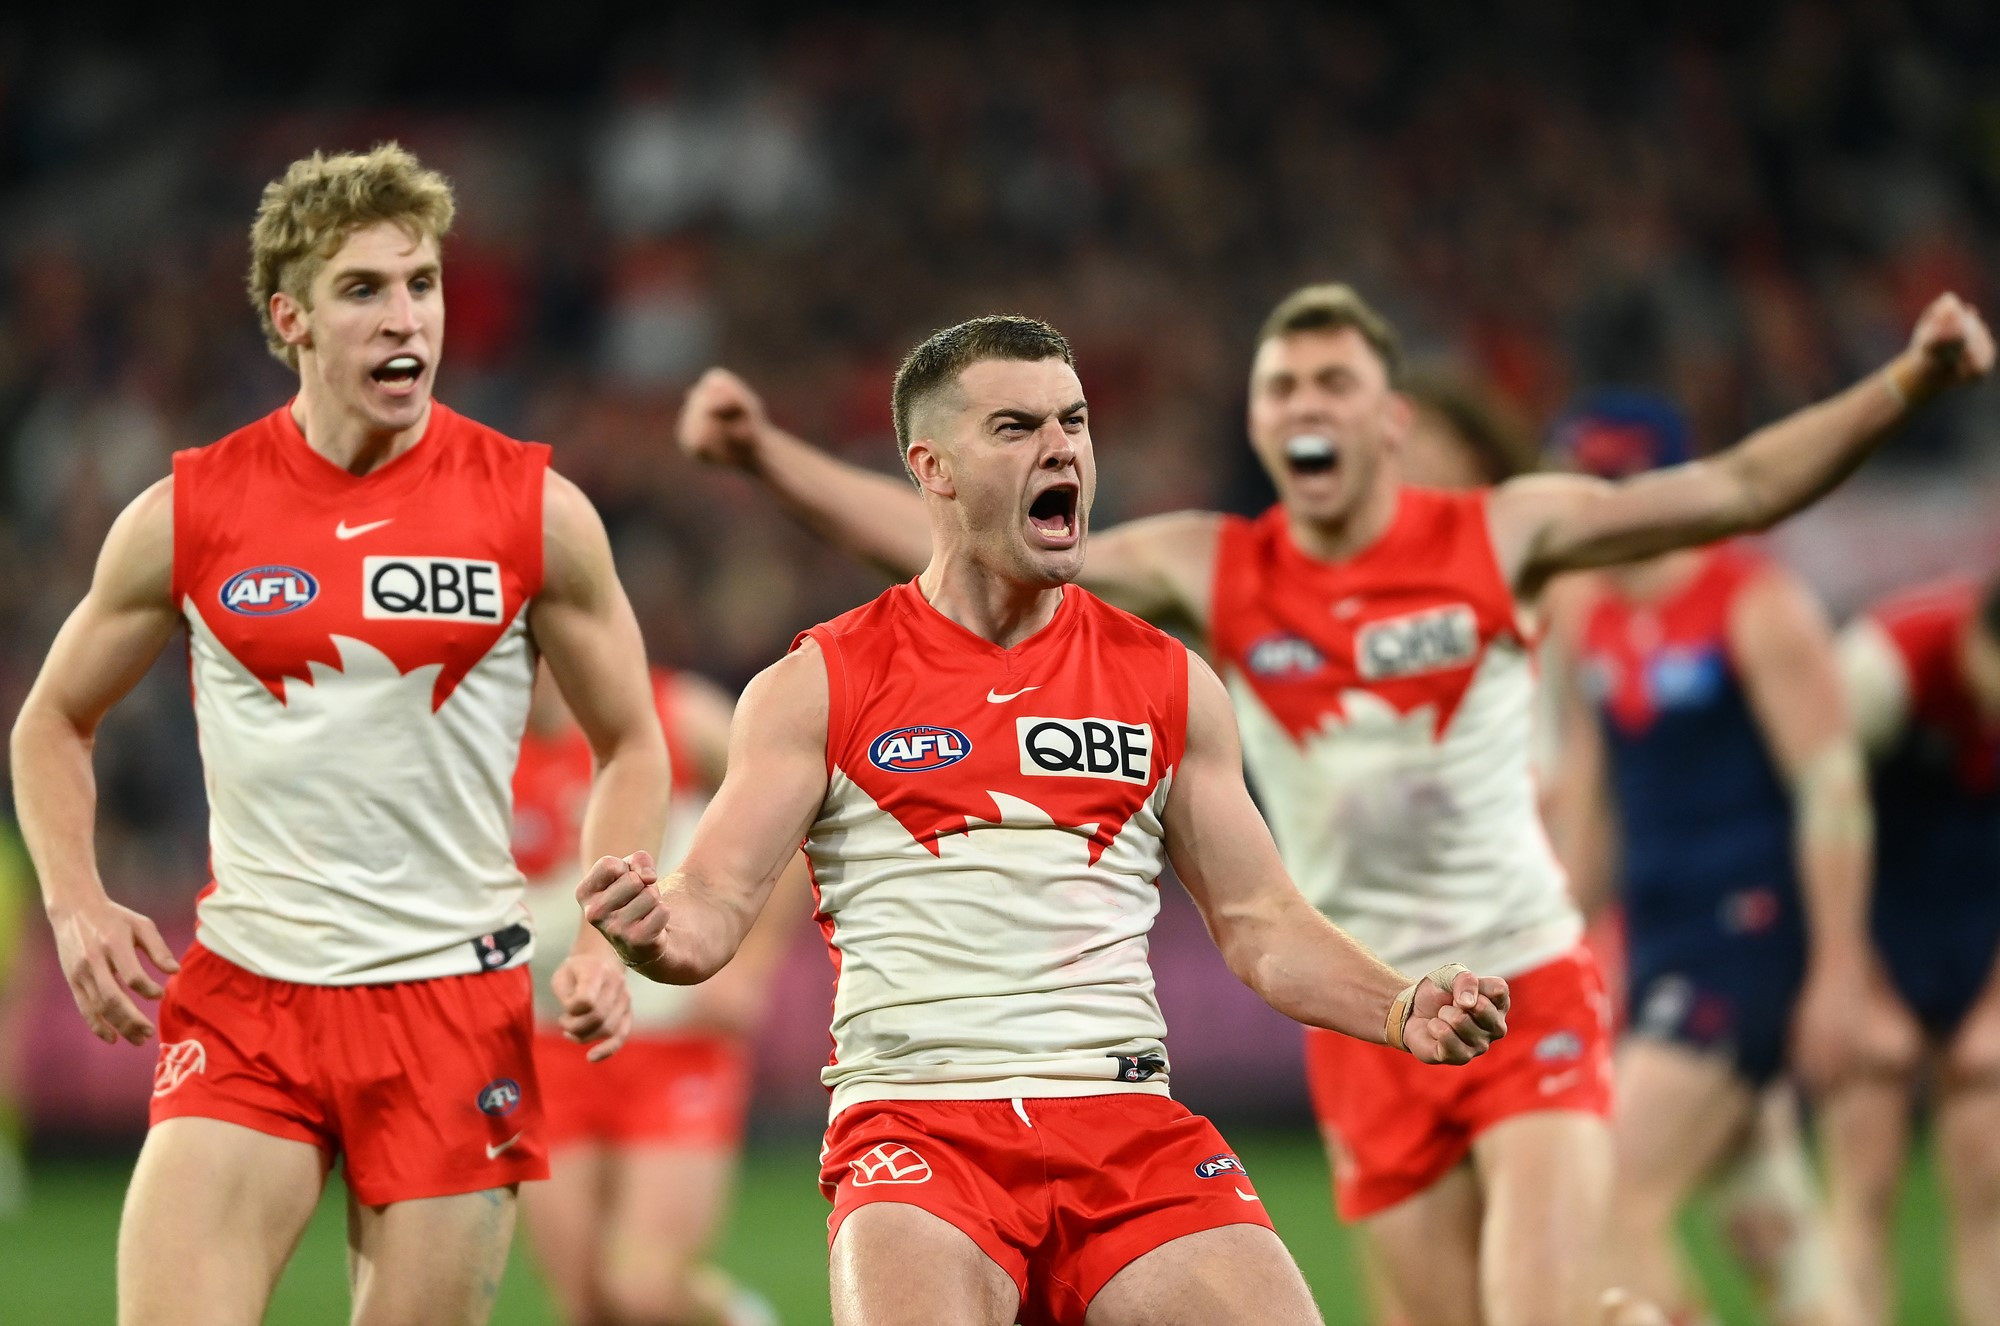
889	1162
1222	1164
268	591
916	749
179	1061
500	1096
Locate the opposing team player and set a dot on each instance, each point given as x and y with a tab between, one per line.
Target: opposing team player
989	767
1704	720
1373	637
1923	673
365	578
642	1147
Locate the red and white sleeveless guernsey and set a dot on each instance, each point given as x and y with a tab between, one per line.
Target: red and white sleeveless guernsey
1385	704
361	669
985	861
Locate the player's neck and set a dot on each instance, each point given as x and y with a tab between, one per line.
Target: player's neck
344	437
1352	532
998	610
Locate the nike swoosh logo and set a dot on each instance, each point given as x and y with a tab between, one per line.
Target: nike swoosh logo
1248	1196
493	1149
343	531
994	697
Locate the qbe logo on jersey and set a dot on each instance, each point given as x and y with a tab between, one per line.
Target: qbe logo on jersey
1086	748
430	589
1431	641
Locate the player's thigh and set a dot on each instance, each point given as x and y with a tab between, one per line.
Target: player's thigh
430	1261
1547	1179
663	1209
563	1216
1680	1112
1427	1248
1234	1275
894	1264
214	1211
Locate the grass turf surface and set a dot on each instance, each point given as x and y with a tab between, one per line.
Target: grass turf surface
56	1258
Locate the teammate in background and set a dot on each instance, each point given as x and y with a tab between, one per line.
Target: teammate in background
989	767
1703	719
1923	676
1460	436
1373	636
366	579
642	1148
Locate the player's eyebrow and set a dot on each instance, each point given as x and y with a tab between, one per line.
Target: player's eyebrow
1032	418
430	269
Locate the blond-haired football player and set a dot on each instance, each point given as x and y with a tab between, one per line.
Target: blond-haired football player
365	578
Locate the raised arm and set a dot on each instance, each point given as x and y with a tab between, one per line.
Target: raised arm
1546	523
584	627
1158	568
1276	942
1784	649
102	651
682	929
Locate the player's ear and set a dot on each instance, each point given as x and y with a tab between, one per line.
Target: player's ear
1401	417
288	317
932	467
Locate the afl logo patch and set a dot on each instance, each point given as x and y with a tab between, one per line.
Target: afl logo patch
500	1096
268	591
1222	1164
1283	656
915	749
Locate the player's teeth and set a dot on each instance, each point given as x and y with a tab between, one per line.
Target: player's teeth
400	363
1309	447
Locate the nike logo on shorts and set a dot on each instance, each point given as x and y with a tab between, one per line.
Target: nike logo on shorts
493	1149
342	531
994	697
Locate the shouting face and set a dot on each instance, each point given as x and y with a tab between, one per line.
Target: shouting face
1323	420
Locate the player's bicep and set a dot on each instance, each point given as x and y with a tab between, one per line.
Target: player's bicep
775	783
584	625
1784	647
123	622
1548	523
1217	840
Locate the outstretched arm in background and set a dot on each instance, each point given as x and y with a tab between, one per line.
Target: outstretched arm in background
1158	567
1546	523
584	627
683	928
107	644
1276	942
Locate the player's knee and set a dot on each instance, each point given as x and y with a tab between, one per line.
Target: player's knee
660	1292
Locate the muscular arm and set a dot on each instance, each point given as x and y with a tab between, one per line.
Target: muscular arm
102	651
684	928
1543	524
1296	960
1578	805
1158	568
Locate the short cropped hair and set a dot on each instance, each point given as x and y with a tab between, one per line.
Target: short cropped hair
1330	307
308	212
936	364
1500	448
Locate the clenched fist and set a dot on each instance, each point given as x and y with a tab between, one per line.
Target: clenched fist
721	420
1950	347
1451	1016
619	898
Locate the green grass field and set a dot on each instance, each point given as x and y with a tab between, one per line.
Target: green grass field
56	1259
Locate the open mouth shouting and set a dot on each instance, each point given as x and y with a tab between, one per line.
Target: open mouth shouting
1311	453
1052	516
398	374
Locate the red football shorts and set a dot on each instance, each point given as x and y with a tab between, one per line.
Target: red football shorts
671	1091
1396	1126
427	1087
1062	1193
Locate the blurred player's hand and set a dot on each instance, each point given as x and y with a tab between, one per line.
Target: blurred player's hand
1950	347
596	1004
1852	1025
1456	1026
721	420
99	946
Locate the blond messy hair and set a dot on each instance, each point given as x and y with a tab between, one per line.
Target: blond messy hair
308	212
1330	307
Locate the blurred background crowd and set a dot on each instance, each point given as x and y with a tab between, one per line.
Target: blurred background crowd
1744	205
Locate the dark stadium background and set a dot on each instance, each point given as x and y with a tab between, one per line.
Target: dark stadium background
1743	204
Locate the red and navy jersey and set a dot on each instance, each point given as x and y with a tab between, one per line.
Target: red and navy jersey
1386	705
361	669
1937	790
986	857
1704	816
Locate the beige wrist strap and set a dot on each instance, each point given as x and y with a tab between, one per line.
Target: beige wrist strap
1400	1007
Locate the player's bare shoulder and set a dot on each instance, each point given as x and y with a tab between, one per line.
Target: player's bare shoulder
136	566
